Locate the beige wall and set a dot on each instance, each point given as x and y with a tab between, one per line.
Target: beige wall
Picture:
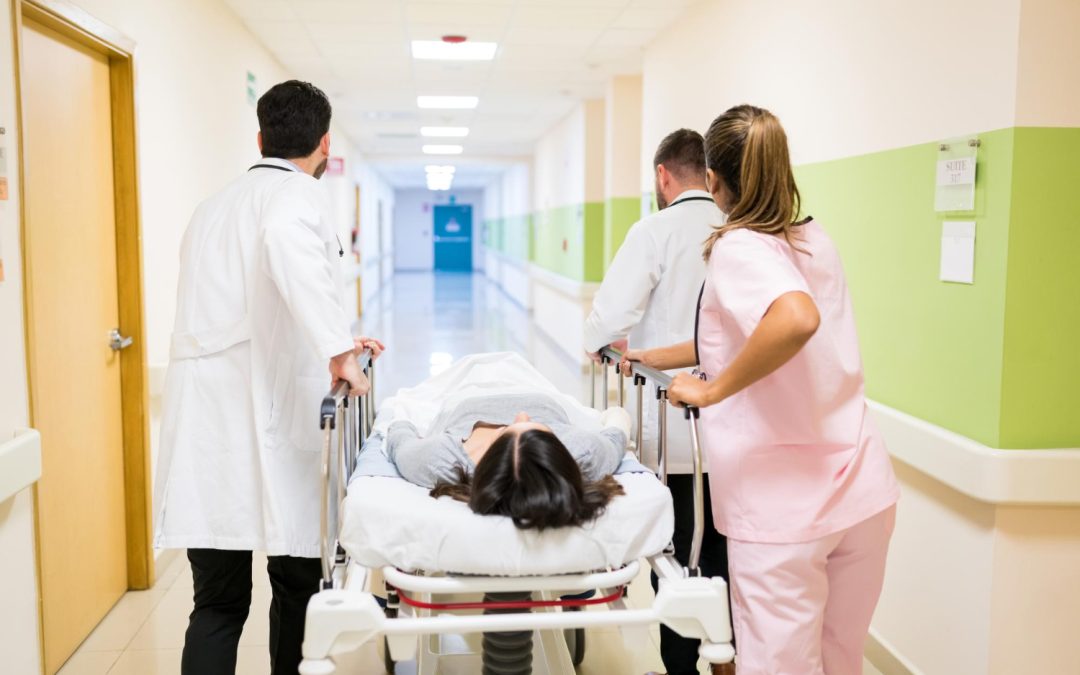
622	136
846	77
594	150
1048	94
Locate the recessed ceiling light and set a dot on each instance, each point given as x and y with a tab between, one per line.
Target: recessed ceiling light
444	132
447	102
440	168
453	51
442	149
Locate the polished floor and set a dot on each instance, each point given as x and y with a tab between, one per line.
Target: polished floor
426	321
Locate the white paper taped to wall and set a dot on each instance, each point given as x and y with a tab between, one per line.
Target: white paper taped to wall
958	251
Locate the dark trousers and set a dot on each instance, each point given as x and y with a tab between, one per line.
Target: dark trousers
679	654
223	598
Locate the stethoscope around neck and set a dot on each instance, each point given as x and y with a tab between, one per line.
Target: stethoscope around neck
341	249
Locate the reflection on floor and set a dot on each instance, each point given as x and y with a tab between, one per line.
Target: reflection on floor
426	321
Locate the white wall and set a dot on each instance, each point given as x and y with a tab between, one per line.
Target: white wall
846	77
20	643
559	163
413	213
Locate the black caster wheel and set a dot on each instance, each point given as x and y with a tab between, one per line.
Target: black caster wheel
575	641
388	662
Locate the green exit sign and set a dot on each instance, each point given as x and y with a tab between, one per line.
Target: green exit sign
252	89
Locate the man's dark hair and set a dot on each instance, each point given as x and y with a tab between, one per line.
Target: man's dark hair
682	153
293	118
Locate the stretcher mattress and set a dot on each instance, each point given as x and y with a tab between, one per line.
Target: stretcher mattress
386	520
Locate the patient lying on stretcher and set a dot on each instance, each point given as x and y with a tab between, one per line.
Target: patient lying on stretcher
516	455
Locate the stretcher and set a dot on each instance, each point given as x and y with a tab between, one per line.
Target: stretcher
514	614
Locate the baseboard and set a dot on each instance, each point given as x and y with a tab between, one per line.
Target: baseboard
885	658
991	475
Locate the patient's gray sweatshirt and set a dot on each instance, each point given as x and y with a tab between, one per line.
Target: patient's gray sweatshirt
429	459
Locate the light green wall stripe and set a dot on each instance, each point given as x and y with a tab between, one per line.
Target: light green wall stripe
1040	405
931	349
569	240
620	213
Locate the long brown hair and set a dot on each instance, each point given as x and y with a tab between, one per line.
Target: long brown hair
533	479
747	149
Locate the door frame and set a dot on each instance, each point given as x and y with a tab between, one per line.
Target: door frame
76	24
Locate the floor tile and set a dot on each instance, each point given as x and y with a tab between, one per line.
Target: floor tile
148	662
253	660
165	627
90	663
121	624
257	627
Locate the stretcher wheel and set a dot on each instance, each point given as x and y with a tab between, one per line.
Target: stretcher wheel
388	662
575	641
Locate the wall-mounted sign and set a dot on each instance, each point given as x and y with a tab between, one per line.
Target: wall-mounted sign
252	89
335	166
955	179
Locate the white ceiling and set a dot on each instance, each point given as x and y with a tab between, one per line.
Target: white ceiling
552	54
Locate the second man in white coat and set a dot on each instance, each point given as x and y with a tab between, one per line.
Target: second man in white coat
649	297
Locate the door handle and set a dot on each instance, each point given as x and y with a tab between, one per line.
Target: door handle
118	341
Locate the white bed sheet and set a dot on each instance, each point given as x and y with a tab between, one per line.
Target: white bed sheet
389	521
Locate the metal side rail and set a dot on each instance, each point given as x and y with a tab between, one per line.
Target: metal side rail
662	381
345	421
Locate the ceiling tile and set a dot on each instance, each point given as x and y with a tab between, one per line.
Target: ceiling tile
653	18
458	13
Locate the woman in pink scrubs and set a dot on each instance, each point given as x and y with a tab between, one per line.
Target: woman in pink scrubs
801	482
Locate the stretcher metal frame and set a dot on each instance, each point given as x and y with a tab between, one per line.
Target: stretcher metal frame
343	616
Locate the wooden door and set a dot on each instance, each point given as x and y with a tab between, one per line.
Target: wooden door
73	305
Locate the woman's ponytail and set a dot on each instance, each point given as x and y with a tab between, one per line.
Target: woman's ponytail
747	149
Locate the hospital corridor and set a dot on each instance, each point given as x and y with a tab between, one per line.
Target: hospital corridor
539	337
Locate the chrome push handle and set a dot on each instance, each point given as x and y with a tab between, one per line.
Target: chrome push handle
662	381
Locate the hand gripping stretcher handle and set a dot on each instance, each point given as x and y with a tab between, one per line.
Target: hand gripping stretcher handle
662	381
352	417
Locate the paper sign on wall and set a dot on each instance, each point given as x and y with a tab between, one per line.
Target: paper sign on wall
958	251
955	176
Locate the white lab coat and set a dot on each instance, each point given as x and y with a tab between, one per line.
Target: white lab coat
649	294
259	314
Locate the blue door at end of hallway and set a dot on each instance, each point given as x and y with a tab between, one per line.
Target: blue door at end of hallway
453	238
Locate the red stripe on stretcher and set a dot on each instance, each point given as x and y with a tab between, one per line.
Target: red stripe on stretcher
509	604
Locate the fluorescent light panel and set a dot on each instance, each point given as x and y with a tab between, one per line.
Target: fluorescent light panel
444	132
440	169
442	149
437	50
447	102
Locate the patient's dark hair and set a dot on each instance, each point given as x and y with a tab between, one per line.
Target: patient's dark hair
532	478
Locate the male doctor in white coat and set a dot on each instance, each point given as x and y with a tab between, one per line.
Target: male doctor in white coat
649	298
258	320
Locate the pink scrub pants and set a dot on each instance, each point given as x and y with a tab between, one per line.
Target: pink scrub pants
805	609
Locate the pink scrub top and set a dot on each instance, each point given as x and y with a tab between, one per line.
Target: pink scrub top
795	456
